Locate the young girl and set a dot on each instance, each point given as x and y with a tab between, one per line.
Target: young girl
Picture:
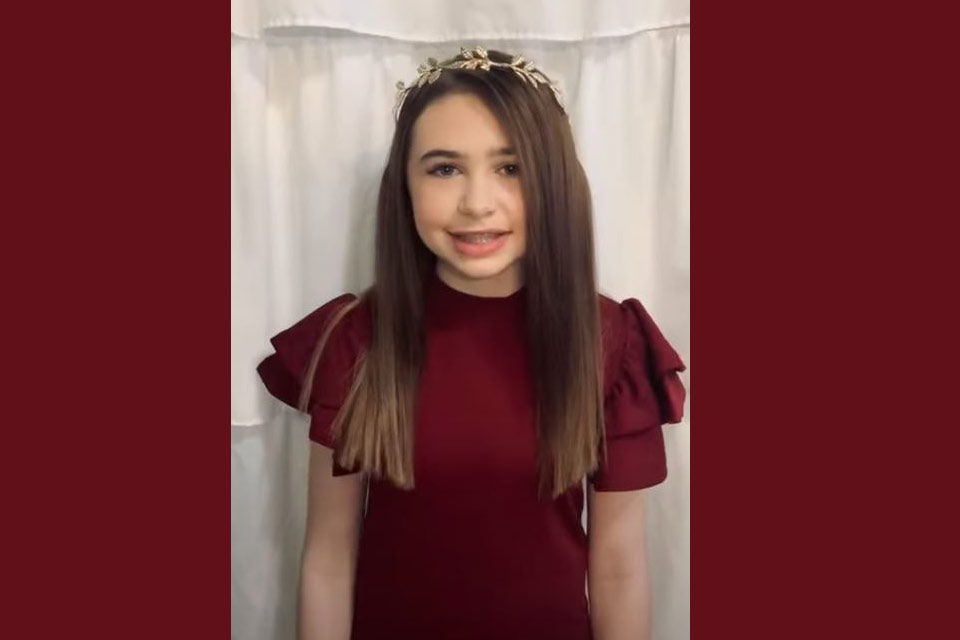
475	386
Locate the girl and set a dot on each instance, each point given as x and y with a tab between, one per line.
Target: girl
474	387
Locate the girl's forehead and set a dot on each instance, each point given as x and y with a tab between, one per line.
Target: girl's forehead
461	120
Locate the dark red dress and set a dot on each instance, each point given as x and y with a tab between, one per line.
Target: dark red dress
471	553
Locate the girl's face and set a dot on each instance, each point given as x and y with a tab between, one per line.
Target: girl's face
467	202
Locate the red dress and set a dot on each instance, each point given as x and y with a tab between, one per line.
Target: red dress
470	552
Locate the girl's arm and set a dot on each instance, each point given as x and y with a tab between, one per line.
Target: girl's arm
617	567
335	508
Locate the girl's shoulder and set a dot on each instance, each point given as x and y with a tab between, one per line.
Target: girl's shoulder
348	314
636	353
348	317
642	392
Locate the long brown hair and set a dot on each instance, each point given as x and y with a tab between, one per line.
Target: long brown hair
375	425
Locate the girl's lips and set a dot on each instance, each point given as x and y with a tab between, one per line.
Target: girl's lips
479	249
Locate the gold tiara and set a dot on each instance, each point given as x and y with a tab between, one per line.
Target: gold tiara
476	59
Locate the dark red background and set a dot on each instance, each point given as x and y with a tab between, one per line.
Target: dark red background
823	163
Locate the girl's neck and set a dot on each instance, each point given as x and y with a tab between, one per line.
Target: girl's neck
502	285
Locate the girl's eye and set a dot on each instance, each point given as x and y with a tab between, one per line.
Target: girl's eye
510	169
442	170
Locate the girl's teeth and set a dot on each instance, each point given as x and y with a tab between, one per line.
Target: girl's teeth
478	238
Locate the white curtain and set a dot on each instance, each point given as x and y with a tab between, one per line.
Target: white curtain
312	92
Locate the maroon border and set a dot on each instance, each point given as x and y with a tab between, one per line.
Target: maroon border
823	348
809	467
116	254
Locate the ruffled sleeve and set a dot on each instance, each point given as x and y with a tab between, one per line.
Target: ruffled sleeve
283	371
642	392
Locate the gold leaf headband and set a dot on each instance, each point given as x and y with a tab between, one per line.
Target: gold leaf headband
476	59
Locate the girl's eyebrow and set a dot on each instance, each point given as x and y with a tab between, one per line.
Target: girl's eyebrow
456	155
